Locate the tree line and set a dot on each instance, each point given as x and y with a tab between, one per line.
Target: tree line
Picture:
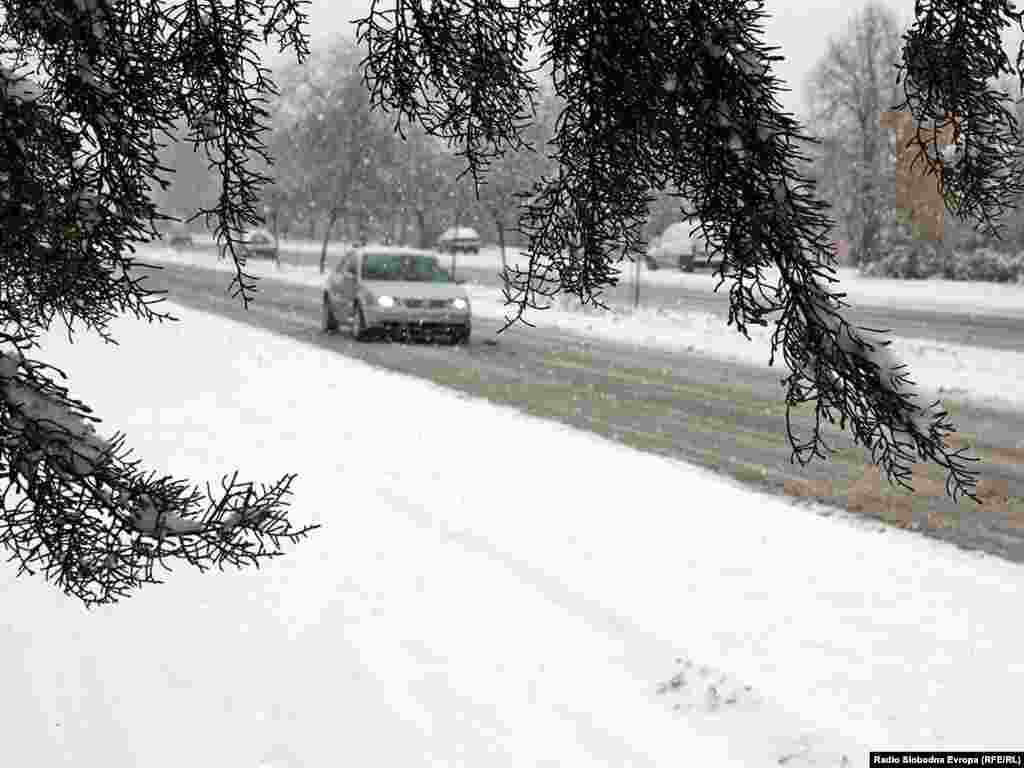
342	170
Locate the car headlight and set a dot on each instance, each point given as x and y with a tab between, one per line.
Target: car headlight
385	301
459	303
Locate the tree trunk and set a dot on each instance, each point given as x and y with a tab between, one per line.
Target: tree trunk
392	230
277	250
364	226
500	224
327	236
421	221
458	213
636	283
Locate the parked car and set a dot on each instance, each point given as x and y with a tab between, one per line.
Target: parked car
177	236
459	239
395	291
258	243
677	248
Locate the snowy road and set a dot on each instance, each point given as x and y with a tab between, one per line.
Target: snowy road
721	415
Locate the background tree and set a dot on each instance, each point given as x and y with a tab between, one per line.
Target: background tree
679	96
78	162
963	235
835	92
286	195
341	144
511	176
846	93
416	186
421	178
192	185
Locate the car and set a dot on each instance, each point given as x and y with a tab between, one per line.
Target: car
395	291
180	240
677	248
176	235
459	239
258	243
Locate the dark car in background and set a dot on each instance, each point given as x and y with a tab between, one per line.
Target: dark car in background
176	235
181	240
259	243
395	291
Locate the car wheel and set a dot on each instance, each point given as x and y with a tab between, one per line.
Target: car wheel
329	323
359	331
461	338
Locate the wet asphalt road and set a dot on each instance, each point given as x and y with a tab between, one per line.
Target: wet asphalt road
725	416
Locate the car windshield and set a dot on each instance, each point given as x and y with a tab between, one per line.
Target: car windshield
404	266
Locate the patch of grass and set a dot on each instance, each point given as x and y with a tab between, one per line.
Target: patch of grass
656	376
751	474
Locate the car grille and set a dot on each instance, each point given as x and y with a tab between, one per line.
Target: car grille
421	329
420	303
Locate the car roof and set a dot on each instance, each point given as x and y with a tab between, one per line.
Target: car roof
391	250
460	233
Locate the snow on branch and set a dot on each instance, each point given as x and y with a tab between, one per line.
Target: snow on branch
90	519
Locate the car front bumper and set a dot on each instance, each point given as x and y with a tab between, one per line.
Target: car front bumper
259	251
417	322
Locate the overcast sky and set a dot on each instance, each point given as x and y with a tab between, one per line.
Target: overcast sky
800	27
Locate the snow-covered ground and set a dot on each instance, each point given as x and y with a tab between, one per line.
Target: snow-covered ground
452	612
940	369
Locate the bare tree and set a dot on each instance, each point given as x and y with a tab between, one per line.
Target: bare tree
511	176
847	91
78	161
680	95
423	179
340	145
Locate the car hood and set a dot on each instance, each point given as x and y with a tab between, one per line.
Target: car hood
402	289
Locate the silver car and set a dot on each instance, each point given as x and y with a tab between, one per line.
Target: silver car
395	291
677	248
259	243
459	240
